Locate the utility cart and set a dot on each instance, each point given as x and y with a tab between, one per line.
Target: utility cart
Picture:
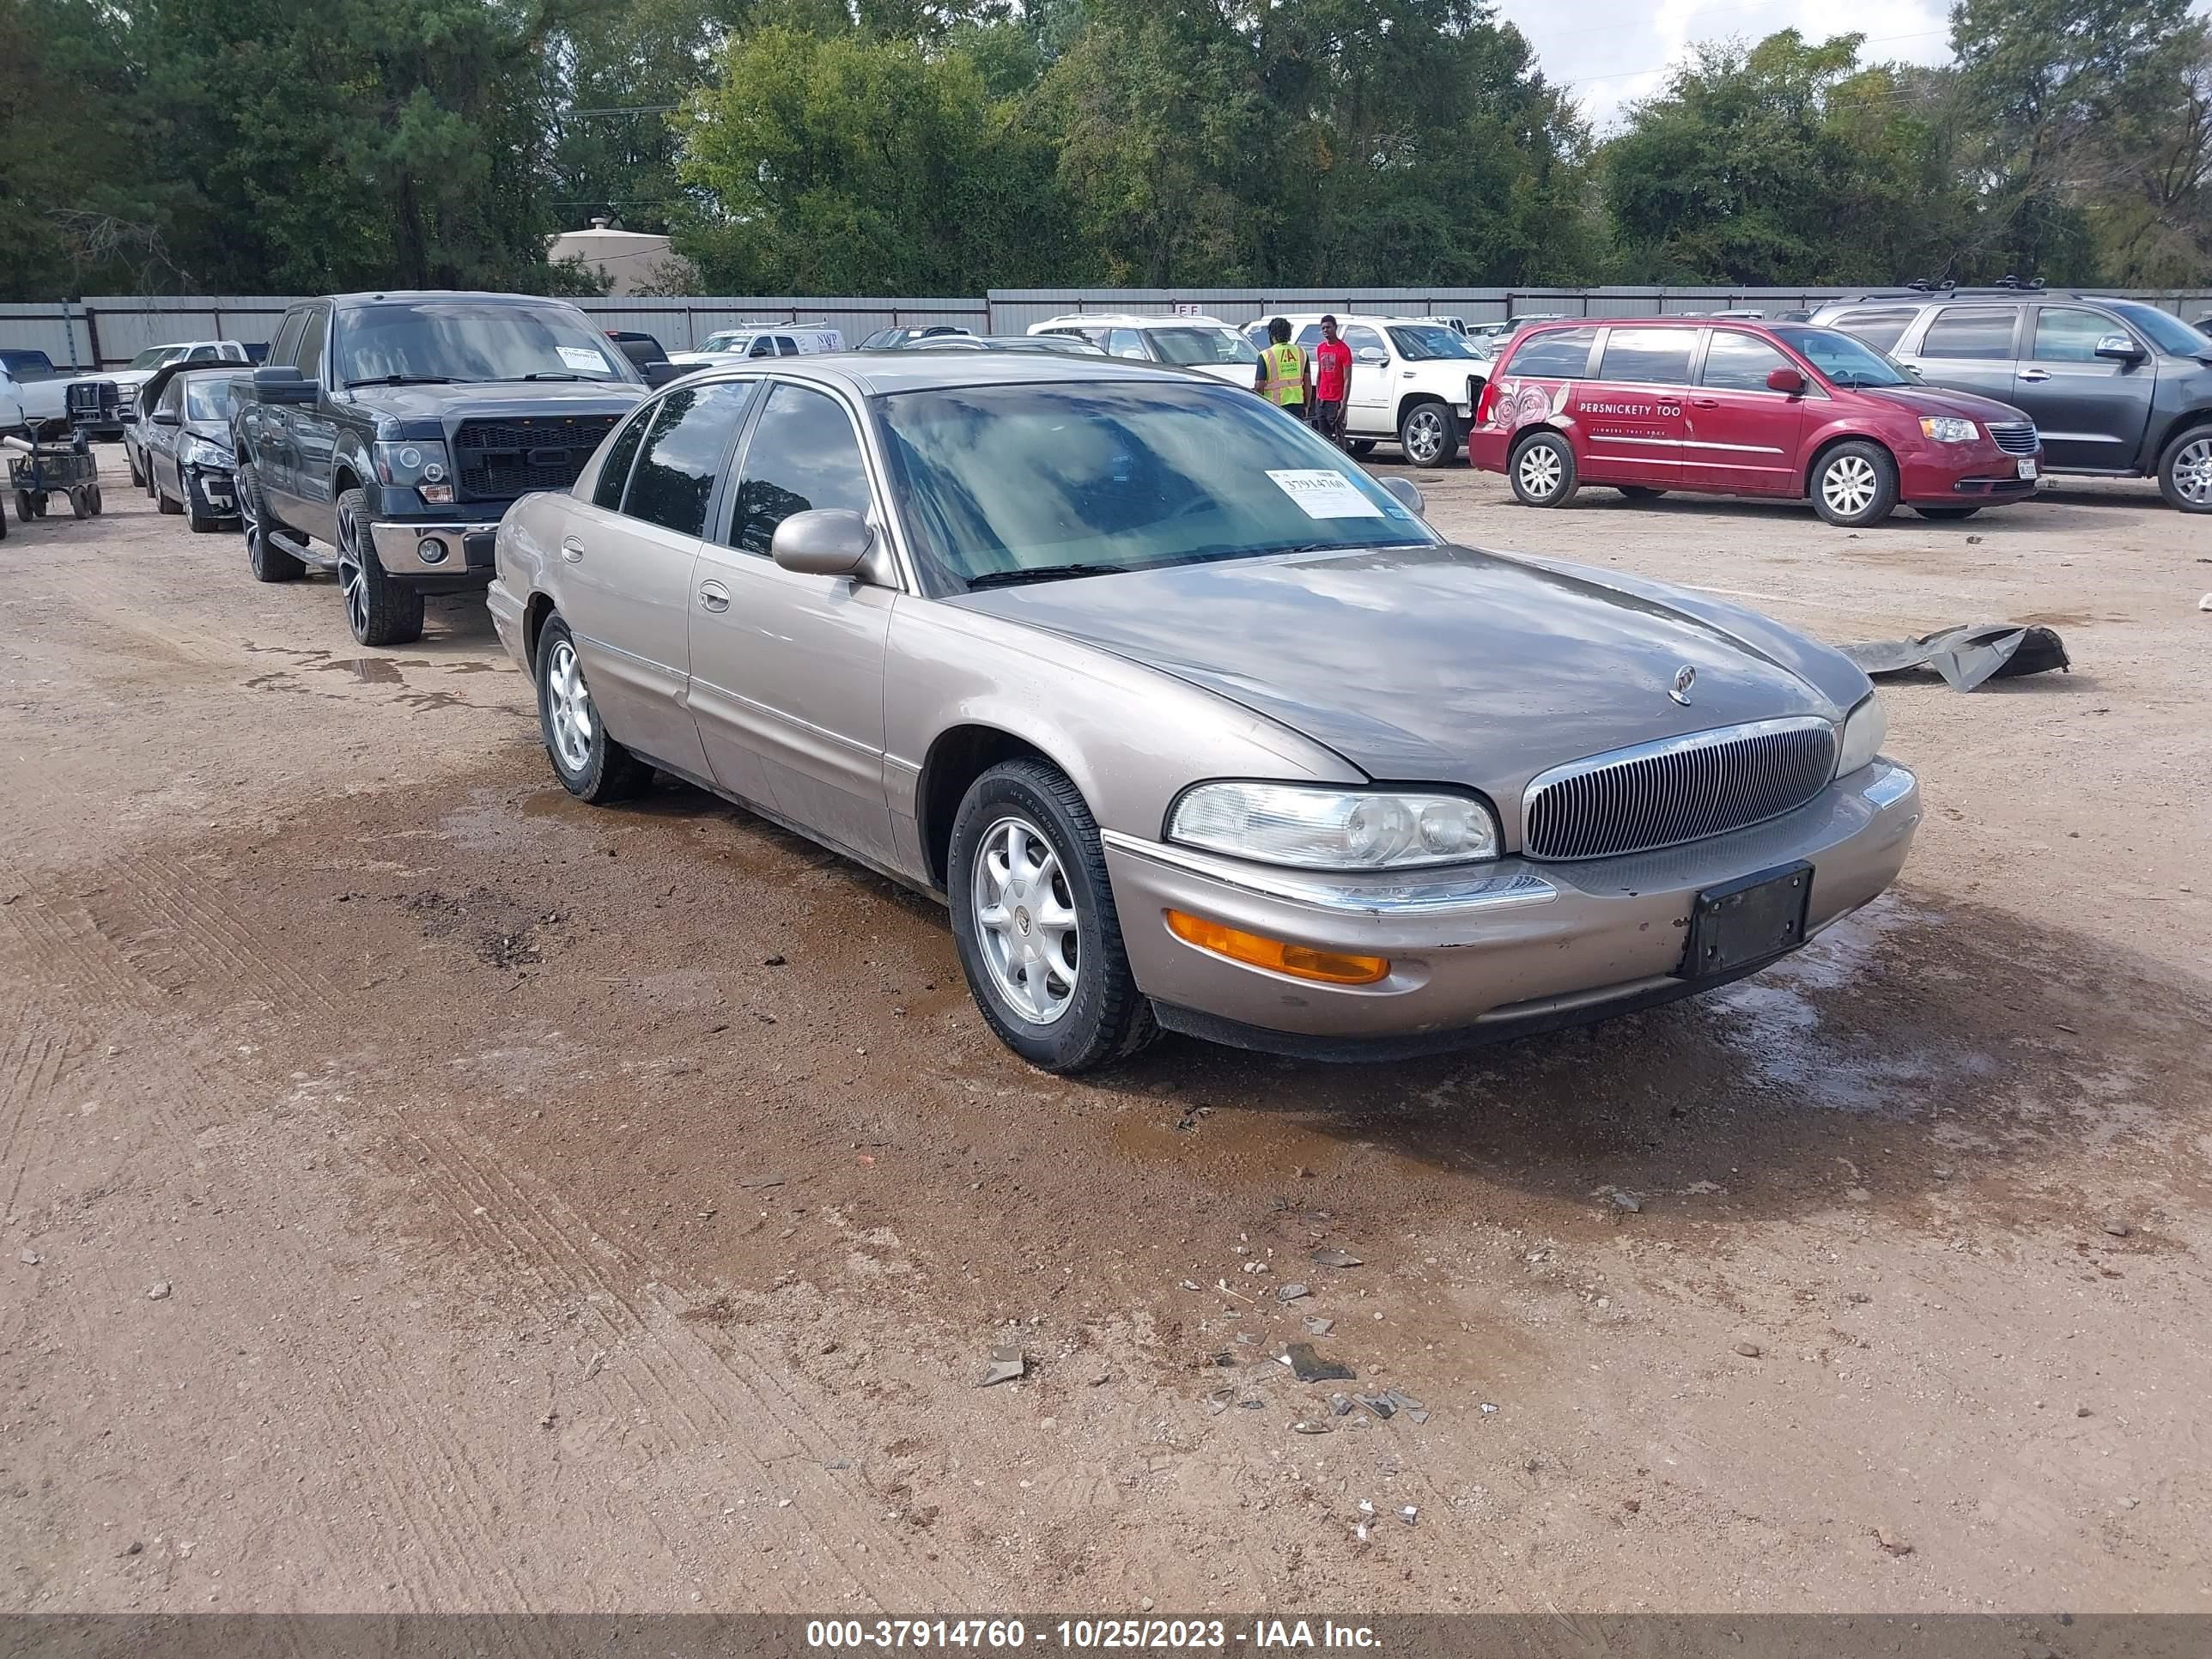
57	469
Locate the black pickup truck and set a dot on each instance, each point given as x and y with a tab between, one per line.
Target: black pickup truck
388	432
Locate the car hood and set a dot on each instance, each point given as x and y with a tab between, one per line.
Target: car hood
212	432
1941	400
1446	664
480	399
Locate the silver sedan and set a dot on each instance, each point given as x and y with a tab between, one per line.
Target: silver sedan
1193	723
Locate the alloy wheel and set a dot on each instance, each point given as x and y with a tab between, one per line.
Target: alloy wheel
569	707
1026	921
2192	473
352	579
1849	485
1425	436
1539	471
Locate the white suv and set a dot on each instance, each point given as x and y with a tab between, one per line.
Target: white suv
1413	380
1205	344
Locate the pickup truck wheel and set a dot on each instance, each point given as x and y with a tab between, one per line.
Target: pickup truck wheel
590	765
1034	920
1429	433
1542	470
1855	484
269	564
380	611
2185	473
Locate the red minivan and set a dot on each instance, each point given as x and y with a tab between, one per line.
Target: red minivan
1657	404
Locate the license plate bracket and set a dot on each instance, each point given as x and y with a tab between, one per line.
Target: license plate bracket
2027	469
1751	920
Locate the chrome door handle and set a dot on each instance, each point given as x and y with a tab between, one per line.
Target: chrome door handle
2035	374
713	596
572	550
1704	403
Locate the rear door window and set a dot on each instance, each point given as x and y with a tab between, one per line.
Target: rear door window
1970	332
803	455
1648	356
682	455
787	346
1739	363
1880	327
614	473
1562	353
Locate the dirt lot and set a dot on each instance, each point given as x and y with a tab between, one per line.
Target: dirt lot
418	1191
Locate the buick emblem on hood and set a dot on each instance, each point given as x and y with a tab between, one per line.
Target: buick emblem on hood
1685	677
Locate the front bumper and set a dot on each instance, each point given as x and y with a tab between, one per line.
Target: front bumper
216	490
446	552
1476	957
1940	475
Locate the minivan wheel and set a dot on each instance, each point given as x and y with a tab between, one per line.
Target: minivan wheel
1855	484
590	765
1429	433
1034	920
379	611
1542	470
2185	473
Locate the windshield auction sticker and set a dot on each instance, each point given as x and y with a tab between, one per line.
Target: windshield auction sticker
582	357
1325	495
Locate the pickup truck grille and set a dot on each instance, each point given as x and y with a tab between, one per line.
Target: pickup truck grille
498	460
1636	800
2016	437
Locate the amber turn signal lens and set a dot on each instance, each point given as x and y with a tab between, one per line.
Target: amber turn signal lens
1299	960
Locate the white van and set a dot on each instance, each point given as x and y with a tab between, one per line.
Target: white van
734	345
1414	381
1205	344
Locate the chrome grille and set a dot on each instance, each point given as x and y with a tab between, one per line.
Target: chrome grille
1662	794
498	460
2016	437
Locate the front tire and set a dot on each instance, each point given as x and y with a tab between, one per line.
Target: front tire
1542	470
268	562
1034	920
1429	433
201	524
131	460
1855	484
590	765
380	611
2184	471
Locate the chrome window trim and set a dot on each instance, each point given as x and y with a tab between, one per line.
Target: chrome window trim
1436	890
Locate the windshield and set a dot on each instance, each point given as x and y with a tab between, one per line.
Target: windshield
2167	333
154	357
1188	346
1422	341
1006	479
207	400
1847	362
472	340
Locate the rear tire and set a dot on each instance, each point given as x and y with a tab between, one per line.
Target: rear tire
1855	484
1947	513
2184	471
1429	433
380	611
590	765
1026	813
268	562
1542	470
131	460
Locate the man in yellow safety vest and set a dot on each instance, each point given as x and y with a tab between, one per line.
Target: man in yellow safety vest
1285	377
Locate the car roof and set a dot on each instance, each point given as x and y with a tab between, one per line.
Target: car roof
1300	319
1131	319
402	294
873	374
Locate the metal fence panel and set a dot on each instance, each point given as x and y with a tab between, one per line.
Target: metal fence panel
57	329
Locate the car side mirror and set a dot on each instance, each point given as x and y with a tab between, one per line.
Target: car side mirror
1785	380
1408	494
1373	355
830	541
167	417
662	372
282	384
2120	347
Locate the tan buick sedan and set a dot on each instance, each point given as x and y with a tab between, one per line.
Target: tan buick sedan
1192	723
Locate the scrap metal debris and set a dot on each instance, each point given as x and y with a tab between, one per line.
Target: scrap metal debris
1007	1365
1335	1259
1310	1367
1966	656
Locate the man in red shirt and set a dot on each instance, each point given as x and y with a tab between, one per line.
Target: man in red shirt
1332	382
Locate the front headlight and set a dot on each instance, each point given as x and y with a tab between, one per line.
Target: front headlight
1331	829
1863	731
198	451
1948	429
416	463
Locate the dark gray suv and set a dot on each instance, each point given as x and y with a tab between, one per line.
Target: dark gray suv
2119	388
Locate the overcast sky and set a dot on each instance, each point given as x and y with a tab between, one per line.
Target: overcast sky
1612	52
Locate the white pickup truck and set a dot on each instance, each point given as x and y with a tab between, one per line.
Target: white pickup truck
39	393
